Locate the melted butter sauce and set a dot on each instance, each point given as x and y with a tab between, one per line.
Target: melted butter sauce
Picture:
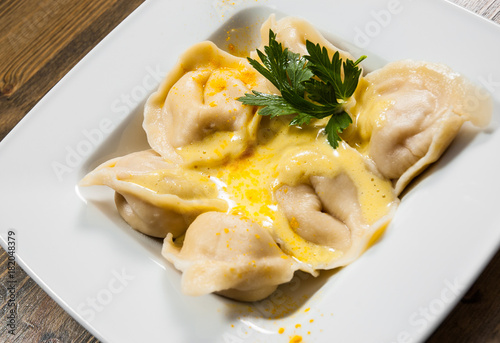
222	87
186	184
368	110
248	184
281	155
289	155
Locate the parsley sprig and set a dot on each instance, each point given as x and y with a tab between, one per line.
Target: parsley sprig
311	86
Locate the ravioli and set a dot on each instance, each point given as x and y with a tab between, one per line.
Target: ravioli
194	116
334	199
231	255
243	201
407	113
293	33
154	196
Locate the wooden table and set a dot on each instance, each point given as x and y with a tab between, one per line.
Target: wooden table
40	41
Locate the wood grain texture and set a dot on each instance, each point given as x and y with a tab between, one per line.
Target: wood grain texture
40	41
489	9
45	27
40	318
23	84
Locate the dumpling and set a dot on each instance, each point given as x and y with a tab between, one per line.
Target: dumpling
306	215
333	199
154	196
293	33
197	101
229	255
407	113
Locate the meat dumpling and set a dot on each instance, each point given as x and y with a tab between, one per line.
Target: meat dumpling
407	113
230	255
334	199
198	100
154	196
293	33
303	209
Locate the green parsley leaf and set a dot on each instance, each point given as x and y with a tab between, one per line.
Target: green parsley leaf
337	124
282	67
330	71
297	73
311	86
275	105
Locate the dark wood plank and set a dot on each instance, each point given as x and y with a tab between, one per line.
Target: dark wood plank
36	31
30	84
476	318
39	319
80	26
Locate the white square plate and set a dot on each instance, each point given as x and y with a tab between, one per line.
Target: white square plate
113	279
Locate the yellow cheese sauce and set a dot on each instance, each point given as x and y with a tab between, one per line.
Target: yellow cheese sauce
280	155
248	182
319	159
368	110
186	184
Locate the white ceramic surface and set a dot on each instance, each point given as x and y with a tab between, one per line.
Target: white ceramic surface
114	281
